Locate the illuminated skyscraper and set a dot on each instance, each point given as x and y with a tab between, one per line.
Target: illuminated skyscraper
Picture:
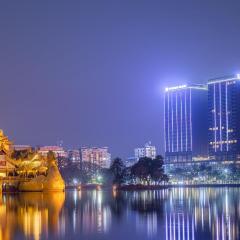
224	118
185	123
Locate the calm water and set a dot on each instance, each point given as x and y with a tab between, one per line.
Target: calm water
189	214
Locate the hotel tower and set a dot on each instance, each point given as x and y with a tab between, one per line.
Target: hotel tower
185	123
224	118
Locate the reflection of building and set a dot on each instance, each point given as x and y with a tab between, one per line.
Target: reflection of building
96	216
96	156
191	211
35	215
147	151
147	223
185	122
224	118
179	225
179	214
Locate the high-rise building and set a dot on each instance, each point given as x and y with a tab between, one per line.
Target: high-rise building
96	156
147	151
224	118
185	123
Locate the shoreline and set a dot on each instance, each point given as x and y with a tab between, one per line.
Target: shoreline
204	185
146	187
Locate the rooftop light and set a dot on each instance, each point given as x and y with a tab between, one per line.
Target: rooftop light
175	88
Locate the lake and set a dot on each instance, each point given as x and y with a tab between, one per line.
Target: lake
171	214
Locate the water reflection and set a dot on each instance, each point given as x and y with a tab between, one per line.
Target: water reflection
174	214
211	212
88	214
29	214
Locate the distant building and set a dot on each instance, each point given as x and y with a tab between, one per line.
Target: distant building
22	147
185	123
224	118
147	151
74	156
60	153
96	156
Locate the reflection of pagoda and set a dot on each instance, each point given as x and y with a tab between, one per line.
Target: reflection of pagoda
5	152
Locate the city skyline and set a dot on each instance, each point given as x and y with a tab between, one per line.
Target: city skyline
182	86
120	120
93	74
202	121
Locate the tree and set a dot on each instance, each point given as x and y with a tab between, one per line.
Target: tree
157	170
141	169
147	169
83	174
126	175
116	169
107	177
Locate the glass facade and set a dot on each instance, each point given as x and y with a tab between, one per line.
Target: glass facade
224	118
185	122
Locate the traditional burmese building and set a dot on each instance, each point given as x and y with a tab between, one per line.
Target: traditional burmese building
5	152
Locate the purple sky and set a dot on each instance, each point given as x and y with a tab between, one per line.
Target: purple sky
92	73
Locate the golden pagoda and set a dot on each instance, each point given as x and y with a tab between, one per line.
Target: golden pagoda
52	181
32	172
5	152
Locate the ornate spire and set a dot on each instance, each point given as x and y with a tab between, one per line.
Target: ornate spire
5	144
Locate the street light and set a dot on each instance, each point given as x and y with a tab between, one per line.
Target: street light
99	178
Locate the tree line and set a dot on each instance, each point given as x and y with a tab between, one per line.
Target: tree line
146	171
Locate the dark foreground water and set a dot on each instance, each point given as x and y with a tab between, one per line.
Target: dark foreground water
189	214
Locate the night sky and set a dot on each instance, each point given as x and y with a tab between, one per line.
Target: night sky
93	73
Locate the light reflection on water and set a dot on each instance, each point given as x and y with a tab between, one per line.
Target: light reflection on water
174	214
